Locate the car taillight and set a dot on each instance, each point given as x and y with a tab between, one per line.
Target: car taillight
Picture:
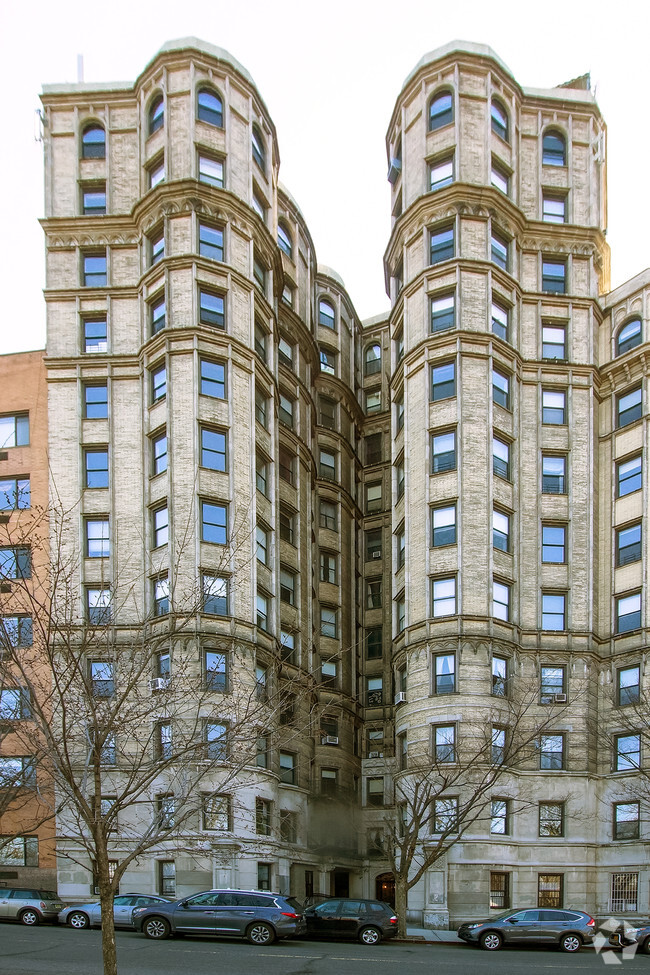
591	923
393	920
287	914
42	906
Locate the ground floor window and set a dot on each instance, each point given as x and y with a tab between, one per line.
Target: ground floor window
624	892
167	878
499	890
112	864
263	876
549	889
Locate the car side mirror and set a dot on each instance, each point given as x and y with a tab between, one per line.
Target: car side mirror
512	920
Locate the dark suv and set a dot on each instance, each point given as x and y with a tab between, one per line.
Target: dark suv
258	916
567	930
351	917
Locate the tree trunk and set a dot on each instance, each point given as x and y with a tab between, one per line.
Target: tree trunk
106	897
401	903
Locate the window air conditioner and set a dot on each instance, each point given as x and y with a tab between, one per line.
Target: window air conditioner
330	740
400	697
376	555
559	698
394	170
374	754
159	684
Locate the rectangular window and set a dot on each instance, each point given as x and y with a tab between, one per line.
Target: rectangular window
157	173
288	826
441	173
214	523
374	448
159	454
554	544
96	402
442	247
443	597
158	384
327	465
95	337
19	851
499	891
213	378
373	401
15	703
501	389
17	773
628	613
328	622
553	474
97	538
167	878
286	465
287	525
328	567
553	342
498	745
211	242
327	413
499	817
550	887
501	458
374	643
373	497
212	309
552	684
95	469
499	676
14	493
443	452
443	525
373	594
328	517
164	743
444	744
629	476
551	752
499	250
215	741
262	475
158	314
14	431
500	320
99	610
400	544
624	893
553	407
629	407
15	562
374	691
628	544
628	686
553	611
327	361
626	820
286	411
328	781
501	592
215	663
375	791
553	209
329	673
443	312
288	587
161	596
499	178
627	752
211	171
214	449
445	815
399	412
288	772
215	595
500	531
262	817
444	673
95	270
554	276
262	603
443	381
285	352
160	519
262	544
16	631
216	813
156	246
551	819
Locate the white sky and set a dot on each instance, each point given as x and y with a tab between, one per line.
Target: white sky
329	75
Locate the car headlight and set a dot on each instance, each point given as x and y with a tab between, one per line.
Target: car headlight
470	927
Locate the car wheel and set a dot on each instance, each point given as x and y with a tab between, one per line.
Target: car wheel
644	947
491	941
29	916
78	920
570	942
156	928
369	936
260	933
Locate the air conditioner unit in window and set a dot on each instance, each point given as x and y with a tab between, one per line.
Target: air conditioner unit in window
330	740
559	698
394	170
376	555
159	684
375	754
400	697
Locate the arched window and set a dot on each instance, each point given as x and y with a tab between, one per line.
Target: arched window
156	114
93	142
441	110
259	149
373	359
326	314
499	120
553	148
284	240
209	107
629	336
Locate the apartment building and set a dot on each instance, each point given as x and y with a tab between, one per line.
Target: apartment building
420	518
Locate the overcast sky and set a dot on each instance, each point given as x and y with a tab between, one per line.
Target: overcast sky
329	75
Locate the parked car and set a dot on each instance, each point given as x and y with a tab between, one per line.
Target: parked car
29	905
568	930
351	917
627	935
90	915
258	916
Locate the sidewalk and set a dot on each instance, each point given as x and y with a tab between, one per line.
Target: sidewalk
438	936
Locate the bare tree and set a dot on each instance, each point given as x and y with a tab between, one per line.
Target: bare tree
124	734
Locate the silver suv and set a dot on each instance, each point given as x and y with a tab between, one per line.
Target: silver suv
258	916
29	905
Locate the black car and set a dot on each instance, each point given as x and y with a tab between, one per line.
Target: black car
567	930
350	917
258	916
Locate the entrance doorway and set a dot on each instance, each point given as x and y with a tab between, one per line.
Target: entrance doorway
385	888
340	883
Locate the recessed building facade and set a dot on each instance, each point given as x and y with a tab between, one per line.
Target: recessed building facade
419	519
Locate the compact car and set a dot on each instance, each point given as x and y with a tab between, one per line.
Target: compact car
29	905
565	929
90	915
258	916
351	917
